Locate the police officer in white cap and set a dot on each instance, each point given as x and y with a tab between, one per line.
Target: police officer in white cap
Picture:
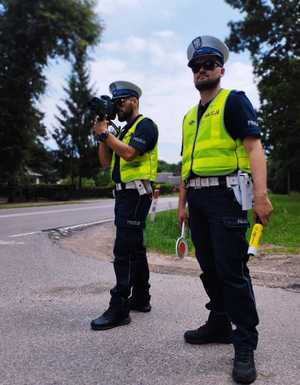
221	149
132	158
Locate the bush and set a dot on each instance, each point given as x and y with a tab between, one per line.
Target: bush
88	183
103	178
85	182
31	193
166	188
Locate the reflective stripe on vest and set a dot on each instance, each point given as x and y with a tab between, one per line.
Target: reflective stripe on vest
141	167
210	150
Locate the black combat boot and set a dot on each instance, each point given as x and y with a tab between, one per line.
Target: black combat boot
141	305
116	315
244	371
140	298
216	330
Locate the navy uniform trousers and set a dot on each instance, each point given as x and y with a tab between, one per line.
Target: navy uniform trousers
130	260
218	229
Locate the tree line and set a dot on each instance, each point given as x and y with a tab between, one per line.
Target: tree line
40	30
31	33
270	31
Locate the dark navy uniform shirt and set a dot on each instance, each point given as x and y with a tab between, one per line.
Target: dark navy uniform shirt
144	139
239	117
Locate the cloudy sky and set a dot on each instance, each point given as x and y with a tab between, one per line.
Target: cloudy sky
145	41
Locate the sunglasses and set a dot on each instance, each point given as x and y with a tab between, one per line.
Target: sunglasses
207	65
121	101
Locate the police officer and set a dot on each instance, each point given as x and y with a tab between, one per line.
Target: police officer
221	139
133	161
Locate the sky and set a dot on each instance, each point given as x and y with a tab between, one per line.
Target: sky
145	42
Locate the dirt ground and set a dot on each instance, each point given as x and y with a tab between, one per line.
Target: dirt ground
271	270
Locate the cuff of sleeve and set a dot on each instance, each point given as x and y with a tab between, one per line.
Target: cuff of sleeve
252	135
138	146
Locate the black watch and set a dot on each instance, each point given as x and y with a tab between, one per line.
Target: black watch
103	136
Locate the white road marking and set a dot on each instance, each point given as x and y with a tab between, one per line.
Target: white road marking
63	228
55	211
24	234
86	224
11	243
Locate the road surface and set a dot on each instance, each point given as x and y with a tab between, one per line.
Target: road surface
48	296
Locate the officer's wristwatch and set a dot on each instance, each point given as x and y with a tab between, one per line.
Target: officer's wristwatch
103	136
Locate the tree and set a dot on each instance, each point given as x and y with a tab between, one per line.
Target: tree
77	149
37	30
270	30
164	166
43	161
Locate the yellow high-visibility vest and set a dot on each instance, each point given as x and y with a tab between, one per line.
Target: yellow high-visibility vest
209	150
143	166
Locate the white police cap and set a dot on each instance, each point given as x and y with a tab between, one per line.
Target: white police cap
122	89
207	45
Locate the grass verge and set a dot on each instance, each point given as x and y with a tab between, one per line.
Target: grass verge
282	235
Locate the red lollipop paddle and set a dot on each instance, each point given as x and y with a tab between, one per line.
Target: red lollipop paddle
181	244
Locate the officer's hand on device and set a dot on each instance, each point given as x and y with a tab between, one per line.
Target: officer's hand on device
99	126
262	208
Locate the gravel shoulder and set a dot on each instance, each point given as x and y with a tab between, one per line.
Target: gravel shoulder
269	270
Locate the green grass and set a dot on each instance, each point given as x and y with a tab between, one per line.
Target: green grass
284	226
282	235
161	235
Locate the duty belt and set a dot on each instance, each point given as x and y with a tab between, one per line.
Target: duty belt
210	181
125	186
143	186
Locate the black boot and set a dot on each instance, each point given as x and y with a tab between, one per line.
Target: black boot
140	298
244	371
141	305
116	315
216	330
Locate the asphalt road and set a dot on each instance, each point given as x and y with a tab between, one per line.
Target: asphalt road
48	295
23	221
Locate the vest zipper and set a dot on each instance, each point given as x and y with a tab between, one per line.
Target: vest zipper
198	125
